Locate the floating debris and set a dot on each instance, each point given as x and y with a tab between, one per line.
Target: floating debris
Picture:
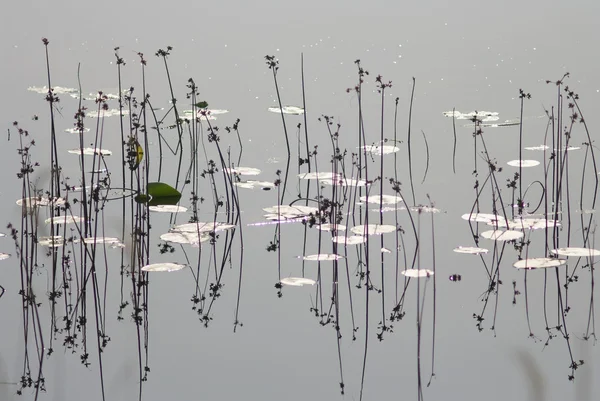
523	163
499	235
470	250
297	281
385	250
287	110
91	151
4	255
416	273
455	277
577	252
539	263
167	209
163	267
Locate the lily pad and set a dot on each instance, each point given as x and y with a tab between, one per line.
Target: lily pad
162	194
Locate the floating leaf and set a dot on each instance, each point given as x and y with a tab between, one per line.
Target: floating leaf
373	229
40	201
90	151
168	209
416	273
287	110
540	147
577	252
350	239
323	256
383	200
52	242
499	235
380	149
162	194
163	267
470	250
243	170
539	263
523	163
64	220
297	281
331	227
181	237
483	217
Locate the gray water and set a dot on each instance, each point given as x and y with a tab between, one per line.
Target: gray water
463	55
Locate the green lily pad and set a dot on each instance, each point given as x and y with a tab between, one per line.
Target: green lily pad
202	105
161	194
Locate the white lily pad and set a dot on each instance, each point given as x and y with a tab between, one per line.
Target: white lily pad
163	267
577	252
383	200
499	235
380	149
350	239
243	170
416	273
287	110
373	229
539	263
323	256
470	250
64	220
523	163
167	209
91	151
297	281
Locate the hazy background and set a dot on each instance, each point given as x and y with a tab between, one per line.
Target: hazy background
464	54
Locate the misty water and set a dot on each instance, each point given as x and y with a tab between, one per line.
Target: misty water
316	201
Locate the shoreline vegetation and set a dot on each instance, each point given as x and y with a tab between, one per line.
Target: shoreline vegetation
357	201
